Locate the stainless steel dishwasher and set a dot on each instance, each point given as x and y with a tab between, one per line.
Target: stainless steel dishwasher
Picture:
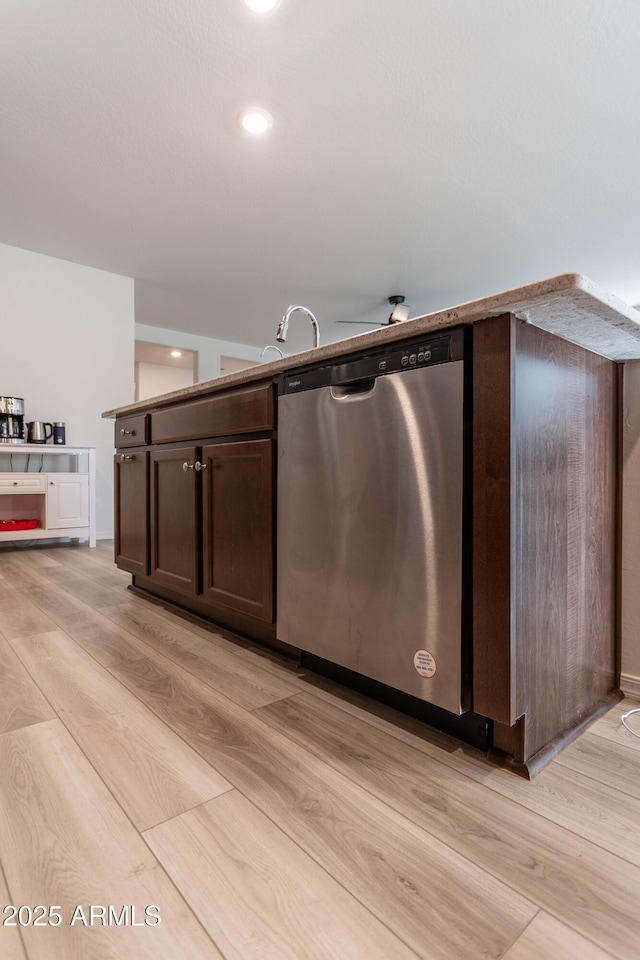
370	516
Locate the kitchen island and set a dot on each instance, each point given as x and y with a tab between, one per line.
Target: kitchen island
195	501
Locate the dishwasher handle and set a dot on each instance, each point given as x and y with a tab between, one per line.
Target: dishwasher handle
353	391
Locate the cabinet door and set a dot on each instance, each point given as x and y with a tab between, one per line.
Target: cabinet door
67	501
238	526
174	519
131	485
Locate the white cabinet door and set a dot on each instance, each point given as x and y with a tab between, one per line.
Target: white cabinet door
67	500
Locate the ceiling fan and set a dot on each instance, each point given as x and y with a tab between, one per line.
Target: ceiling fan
399	313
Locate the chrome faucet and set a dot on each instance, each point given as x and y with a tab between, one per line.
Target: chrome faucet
281	335
272	346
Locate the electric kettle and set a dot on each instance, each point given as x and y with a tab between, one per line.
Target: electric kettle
37	431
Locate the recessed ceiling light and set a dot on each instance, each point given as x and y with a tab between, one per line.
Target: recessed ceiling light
176	353
256	120
261	6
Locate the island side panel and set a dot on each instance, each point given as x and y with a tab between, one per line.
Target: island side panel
494	664
549	453
544	533
564	589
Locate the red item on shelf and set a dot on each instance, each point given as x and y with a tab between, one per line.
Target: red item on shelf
10	525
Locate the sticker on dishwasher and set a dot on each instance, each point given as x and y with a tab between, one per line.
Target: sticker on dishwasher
424	664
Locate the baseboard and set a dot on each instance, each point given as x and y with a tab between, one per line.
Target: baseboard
531	767
630	686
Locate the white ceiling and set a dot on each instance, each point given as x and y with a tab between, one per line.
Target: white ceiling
444	150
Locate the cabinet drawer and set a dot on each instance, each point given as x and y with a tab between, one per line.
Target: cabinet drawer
243	411
132	431
23	483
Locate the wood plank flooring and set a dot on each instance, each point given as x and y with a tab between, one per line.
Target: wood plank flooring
269	813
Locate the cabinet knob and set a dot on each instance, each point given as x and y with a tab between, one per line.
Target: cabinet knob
127	433
125	456
200	466
187	466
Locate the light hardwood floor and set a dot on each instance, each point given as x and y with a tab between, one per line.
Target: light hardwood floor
271	814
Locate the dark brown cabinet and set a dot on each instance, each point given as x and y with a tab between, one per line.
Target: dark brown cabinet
195	509
211	512
237	493
174	519
132	511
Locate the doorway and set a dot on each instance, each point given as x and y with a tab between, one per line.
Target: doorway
234	364
162	368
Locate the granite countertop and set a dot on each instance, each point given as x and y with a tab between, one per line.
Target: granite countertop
568	305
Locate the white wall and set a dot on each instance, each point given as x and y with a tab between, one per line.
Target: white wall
209	348
630	667
153	379
67	348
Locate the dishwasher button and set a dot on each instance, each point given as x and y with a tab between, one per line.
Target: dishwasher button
420	357
404	361
412	358
382	365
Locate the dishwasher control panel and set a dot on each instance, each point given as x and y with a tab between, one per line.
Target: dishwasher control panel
436	351
427	352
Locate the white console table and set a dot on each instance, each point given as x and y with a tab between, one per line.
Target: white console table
52	484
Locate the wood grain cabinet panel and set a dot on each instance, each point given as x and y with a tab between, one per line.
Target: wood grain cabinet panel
174	519
131	486
239	411
238	526
544	533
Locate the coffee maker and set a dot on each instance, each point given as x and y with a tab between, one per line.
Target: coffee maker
11	420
